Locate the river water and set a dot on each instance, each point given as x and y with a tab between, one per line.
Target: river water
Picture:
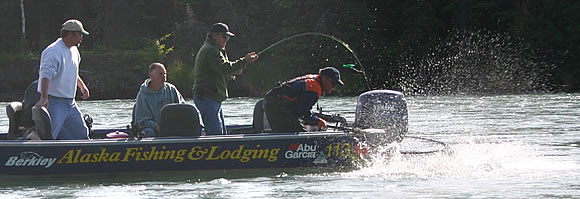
511	146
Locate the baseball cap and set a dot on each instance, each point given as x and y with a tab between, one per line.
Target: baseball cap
333	74
221	27
74	26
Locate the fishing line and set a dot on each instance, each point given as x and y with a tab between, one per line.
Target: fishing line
350	66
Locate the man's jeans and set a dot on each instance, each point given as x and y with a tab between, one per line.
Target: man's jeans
149	132
66	119
211	115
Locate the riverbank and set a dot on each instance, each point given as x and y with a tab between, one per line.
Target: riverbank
119	75
104	75
107	76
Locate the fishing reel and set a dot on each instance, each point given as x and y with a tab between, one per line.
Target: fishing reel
333	118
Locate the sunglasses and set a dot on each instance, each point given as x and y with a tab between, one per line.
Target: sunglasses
226	36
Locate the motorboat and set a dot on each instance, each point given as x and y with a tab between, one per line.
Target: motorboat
380	119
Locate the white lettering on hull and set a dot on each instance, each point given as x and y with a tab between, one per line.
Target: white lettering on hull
29	159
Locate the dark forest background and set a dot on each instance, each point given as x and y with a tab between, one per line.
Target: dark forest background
440	47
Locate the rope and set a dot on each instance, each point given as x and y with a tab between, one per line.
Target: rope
445	145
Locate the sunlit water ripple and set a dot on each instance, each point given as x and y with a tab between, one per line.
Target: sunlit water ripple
513	146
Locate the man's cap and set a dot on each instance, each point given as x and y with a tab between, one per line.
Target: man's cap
221	27
333	74
74	25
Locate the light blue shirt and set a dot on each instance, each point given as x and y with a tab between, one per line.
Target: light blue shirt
60	65
149	103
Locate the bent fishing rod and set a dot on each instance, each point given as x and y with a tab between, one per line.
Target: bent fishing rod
350	66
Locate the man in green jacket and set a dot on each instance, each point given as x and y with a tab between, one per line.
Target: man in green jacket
212	71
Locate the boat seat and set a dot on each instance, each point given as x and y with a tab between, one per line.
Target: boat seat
42	122
179	120
13	110
259	120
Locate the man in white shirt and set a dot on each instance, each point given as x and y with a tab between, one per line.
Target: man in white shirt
58	79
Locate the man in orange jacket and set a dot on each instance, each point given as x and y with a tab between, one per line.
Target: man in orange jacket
290	103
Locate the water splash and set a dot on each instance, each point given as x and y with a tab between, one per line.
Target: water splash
468	160
478	62
221	181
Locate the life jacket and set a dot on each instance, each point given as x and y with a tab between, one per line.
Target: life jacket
295	88
304	92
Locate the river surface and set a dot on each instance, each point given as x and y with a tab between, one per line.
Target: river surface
512	146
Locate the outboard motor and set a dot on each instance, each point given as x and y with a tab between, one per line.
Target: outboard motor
385	110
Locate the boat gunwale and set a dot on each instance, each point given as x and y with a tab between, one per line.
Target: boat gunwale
173	140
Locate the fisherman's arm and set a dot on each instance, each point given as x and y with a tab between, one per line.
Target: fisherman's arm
43	101
227	67
48	67
84	89
177	95
303	107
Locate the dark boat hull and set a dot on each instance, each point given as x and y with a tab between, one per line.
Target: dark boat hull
282	150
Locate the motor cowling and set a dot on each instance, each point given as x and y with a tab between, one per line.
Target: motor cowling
383	109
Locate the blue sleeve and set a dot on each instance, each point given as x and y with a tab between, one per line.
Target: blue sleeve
303	106
181	100
176	96
143	115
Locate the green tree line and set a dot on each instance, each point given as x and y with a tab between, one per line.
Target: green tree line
418	47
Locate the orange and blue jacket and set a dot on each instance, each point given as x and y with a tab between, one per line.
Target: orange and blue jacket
304	92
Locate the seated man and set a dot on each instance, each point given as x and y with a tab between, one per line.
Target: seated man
153	95
24	122
290	103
